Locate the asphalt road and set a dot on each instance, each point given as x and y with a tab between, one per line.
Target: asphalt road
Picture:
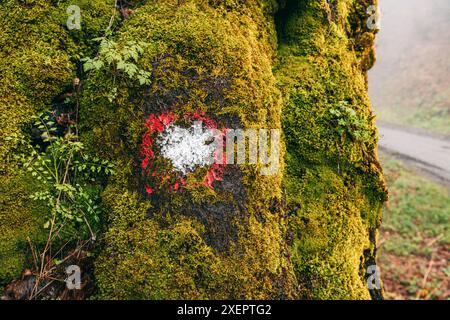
428	153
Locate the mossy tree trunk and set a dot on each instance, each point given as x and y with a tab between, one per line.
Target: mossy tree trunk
334	184
308	231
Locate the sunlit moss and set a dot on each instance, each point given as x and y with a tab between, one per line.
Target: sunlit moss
213	56
38	57
334	185
247	238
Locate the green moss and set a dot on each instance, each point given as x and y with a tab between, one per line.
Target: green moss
143	260
334	184
329	236
38	57
19	220
33	75
215	57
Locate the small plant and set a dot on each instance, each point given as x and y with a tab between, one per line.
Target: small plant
64	173
349	125
66	180
121	59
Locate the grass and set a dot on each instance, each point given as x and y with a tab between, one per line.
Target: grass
432	120
415	235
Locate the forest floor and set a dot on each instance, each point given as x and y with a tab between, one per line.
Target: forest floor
414	247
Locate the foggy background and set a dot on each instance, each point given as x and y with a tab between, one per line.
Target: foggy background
410	91
410	82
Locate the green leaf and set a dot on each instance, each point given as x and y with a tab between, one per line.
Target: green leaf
97	64
88	65
121	65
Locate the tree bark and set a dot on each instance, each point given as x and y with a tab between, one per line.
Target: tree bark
307	231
